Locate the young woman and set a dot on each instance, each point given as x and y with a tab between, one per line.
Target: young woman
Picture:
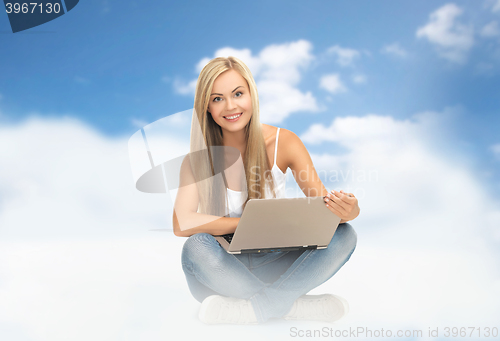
250	288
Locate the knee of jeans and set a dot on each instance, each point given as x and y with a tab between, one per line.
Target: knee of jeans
197	243
349	237
199	247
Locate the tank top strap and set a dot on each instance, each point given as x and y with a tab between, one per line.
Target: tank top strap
276	147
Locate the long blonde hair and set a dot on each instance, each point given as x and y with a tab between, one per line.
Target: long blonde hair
209	163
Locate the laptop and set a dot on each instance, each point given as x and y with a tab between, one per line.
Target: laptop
284	224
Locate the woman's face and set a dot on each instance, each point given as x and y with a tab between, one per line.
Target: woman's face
230	103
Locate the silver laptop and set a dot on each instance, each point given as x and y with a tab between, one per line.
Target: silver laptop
285	224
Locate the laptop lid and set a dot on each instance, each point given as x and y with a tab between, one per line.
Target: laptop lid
283	223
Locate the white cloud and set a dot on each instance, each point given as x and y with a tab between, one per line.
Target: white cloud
183	88
451	38
345	56
395	50
60	287
490	30
280	99
101	290
422	212
332	83
61	178
400	151
285	62
277	70
245	55
359	79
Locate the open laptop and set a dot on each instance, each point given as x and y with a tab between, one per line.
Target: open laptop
285	224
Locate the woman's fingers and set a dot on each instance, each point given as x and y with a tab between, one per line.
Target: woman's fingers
335	210
337	198
341	203
334	201
348	198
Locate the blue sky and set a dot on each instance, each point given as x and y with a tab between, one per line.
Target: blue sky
406	90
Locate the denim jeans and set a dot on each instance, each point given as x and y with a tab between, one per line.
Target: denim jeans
271	281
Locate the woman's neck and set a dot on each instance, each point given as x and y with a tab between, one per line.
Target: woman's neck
235	139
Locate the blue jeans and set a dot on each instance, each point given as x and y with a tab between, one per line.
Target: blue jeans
271	281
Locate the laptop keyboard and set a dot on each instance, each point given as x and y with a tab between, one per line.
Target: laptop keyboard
228	237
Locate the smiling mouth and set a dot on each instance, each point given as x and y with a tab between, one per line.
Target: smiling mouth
232	117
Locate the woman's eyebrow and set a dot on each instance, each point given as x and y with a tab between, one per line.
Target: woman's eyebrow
231	91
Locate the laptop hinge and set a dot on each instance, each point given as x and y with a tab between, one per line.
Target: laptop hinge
278	249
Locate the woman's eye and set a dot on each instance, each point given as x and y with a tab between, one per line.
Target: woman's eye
218	99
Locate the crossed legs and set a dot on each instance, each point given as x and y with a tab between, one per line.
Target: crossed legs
272	282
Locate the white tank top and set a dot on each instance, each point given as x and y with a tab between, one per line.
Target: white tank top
236	199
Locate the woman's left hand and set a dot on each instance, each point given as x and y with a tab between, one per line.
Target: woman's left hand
344	205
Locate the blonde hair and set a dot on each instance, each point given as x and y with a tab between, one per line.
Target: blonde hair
206	165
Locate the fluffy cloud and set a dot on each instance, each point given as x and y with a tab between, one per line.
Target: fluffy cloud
344	56
277	70
406	157
100	290
422	212
332	83
394	49
61	178
451	38
184	88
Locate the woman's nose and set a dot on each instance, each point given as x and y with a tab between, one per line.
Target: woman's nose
230	105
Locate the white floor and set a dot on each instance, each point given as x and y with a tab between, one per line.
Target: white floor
134	289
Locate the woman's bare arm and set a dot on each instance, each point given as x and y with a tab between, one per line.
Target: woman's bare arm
300	162
216	227
186	221
345	205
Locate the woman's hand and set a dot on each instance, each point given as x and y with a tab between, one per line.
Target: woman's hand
344	205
